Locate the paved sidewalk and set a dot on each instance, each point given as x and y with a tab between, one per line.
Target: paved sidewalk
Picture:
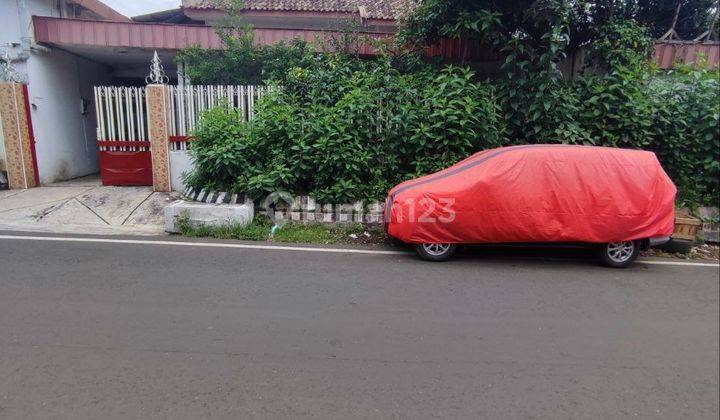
83	205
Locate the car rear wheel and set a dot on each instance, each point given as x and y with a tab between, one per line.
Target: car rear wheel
435	252
619	254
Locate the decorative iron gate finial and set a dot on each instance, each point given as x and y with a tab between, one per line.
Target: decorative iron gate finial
157	73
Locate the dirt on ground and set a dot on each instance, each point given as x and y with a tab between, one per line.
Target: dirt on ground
698	252
365	237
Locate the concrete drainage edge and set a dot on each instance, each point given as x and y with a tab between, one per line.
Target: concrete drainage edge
214	197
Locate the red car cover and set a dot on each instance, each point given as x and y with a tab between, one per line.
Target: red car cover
537	193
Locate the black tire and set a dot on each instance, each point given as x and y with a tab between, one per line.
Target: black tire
681	246
435	252
619	254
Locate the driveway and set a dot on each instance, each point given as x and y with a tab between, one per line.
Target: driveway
171	328
83	205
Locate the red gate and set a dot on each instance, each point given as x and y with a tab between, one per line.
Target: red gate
123	135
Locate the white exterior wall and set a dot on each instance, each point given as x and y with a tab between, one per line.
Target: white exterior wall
57	82
65	139
180	164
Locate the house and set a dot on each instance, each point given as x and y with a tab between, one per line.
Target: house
59	84
60	49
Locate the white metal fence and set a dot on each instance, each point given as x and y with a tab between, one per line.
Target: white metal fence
122	118
122	112
186	104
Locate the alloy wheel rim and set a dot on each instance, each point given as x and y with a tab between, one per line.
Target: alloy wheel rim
620	251
436	249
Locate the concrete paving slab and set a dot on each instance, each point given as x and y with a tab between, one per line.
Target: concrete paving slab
84	181
74	213
150	212
38	196
31	215
68	217
115	204
9	193
83	205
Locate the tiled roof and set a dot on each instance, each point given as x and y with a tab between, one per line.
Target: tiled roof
375	9
102	9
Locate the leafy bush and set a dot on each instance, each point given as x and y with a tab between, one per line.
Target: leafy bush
344	128
616	109
686	131
221	153
342	131
621	43
537	104
619	101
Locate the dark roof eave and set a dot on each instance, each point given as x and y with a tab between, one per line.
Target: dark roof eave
160	36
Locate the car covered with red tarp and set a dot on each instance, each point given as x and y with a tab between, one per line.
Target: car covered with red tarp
537	193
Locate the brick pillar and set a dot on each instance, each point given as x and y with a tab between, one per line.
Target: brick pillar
17	135
158	128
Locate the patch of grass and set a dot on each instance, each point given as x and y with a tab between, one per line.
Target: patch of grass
314	233
259	230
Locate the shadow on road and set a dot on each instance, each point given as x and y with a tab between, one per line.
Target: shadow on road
518	253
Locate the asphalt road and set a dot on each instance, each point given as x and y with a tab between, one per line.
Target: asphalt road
107	330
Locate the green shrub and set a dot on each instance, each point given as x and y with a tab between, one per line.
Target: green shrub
616	109
686	131
368	129
619	101
221	152
345	130
674	114
537	110
620	43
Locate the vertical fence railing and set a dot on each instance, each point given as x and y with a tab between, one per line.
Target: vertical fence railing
122	118
187	103
122	112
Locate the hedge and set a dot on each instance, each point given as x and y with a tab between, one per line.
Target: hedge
343	129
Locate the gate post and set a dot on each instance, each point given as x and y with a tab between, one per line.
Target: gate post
158	130
17	134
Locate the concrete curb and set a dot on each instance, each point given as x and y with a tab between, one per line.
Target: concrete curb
207	214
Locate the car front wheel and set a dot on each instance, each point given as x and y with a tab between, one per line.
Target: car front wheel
435	252
619	254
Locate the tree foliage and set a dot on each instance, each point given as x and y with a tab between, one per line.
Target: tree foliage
686	131
242	63
657	16
494	22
